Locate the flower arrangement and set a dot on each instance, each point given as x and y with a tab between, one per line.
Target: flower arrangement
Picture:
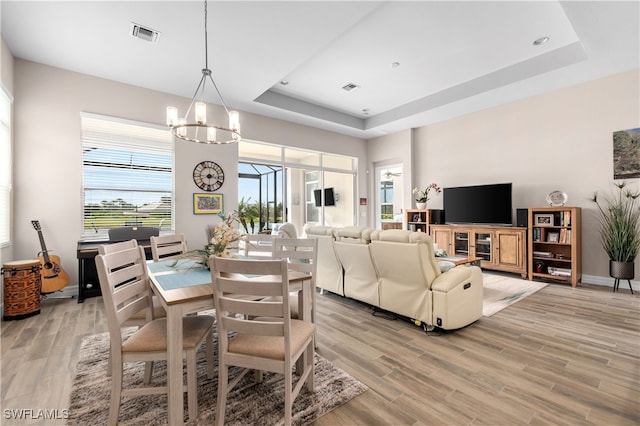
222	234
423	196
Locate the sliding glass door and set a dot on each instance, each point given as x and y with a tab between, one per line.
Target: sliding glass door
282	184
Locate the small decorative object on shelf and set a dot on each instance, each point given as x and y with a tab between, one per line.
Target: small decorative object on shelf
557	198
422	196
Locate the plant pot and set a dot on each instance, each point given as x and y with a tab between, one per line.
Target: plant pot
421	206
621	270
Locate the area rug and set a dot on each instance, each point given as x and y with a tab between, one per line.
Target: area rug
249	403
500	291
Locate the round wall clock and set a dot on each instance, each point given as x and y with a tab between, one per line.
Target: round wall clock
208	176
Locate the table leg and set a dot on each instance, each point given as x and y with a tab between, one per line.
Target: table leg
174	365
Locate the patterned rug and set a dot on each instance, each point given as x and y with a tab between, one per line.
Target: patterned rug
249	403
500	291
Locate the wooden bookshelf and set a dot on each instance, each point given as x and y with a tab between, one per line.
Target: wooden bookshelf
554	244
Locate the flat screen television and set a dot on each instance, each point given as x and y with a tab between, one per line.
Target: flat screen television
479	204
329	199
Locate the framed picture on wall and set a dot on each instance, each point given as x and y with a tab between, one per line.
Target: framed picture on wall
207	203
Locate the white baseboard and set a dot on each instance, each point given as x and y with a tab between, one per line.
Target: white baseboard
608	282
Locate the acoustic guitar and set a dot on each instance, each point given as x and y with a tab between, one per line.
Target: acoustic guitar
54	278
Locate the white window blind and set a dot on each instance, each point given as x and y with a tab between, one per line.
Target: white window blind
5	168
127	171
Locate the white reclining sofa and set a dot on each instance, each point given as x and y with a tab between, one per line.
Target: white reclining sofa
396	270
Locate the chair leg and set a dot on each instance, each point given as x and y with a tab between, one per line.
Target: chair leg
223	378
288	386
116	392
109	362
148	372
192	388
210	361
311	365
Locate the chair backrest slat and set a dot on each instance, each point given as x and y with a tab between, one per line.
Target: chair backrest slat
301	252
239	287
258	245
124	284
167	246
114	247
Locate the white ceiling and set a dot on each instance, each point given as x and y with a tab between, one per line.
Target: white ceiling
454	57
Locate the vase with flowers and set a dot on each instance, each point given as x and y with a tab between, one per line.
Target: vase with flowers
219	240
222	234
422	196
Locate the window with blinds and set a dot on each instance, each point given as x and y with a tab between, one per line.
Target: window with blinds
5	168
127	175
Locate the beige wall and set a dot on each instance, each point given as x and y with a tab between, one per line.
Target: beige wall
6	79
557	141
48	173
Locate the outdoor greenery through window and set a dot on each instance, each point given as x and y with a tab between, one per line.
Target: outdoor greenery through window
5	167
127	175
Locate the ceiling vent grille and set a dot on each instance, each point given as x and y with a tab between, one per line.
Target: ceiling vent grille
350	87
144	33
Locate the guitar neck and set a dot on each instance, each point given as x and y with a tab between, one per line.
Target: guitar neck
43	246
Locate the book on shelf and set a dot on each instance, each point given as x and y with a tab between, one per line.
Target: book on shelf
559	272
543	254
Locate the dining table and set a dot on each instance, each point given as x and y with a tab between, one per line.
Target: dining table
183	286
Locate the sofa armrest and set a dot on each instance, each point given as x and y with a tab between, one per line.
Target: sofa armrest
454	277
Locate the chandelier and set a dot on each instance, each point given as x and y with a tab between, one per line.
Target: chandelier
198	130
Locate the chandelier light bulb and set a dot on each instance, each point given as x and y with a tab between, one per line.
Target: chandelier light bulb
172	116
234	121
201	113
211	134
181	131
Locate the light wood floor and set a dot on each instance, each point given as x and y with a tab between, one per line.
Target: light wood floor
561	356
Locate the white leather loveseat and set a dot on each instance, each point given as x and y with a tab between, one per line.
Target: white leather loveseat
396	270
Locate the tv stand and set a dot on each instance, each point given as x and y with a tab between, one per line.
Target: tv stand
500	248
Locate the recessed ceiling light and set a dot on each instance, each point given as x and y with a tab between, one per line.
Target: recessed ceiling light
541	40
284	82
395	64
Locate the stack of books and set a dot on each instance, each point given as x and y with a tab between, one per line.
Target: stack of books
559	272
545	254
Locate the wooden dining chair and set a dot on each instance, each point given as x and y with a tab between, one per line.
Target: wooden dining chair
139	318
302	255
266	338
125	290
167	246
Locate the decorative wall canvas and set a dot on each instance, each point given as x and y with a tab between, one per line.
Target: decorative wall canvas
626	154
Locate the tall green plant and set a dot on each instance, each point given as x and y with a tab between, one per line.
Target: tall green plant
619	223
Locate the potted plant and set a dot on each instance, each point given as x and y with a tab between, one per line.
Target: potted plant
422	196
619	218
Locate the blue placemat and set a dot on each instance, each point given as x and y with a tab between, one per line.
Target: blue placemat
183	279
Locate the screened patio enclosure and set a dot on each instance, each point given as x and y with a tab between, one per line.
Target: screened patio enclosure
260	197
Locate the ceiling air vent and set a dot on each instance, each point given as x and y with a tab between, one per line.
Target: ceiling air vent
144	33
350	86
